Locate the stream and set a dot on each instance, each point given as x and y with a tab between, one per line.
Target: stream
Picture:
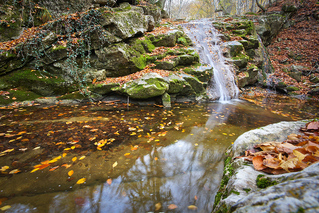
165	159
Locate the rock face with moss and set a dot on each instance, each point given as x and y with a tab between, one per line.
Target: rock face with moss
242	49
243	189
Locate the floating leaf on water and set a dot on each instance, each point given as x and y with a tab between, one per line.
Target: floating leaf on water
66	149
109	181
34	170
74	159
4	168
81	181
70	173
15	171
36	148
4	208
192	207
156	158
82	157
158	206
115	164
64	154
53	168
126	154
172	206
66	165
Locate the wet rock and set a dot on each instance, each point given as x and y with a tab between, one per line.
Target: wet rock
150	85
203	74
178	85
232	48
166	100
103	89
291	192
166	65
154	11
248	77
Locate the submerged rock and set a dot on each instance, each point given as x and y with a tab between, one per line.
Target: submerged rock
242	191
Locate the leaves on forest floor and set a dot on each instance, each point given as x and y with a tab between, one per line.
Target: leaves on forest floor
294	154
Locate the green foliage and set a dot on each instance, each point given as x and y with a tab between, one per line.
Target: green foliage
262	182
18	95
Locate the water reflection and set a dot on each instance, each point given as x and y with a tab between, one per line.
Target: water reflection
185	169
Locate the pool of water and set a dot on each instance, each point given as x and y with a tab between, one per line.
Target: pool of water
108	157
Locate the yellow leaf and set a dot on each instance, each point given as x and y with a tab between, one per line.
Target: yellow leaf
289	164
156	158
74	159
4	208
158	206
115	164
4	168
224	133
81	181
66	149
192	207
299	155
64	154
126	154
70	173
82	157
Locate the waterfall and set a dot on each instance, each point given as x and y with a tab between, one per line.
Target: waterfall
207	43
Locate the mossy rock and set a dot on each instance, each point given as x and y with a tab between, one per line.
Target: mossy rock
166	65
240	60
9	62
178	85
204	75
18	95
149	86
103	89
41	83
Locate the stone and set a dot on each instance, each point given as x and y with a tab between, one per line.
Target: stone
166	100
194	82
149	86
103	89
201	73
232	48
269	27
166	65
292	192
109	3
178	85
153	11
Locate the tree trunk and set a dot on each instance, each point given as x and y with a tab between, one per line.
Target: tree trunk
261	7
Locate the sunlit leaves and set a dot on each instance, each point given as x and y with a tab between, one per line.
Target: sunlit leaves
172	206
114	164
109	181
4	208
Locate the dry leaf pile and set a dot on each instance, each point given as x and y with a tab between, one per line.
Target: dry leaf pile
294	154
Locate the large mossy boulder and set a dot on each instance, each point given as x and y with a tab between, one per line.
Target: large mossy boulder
232	48
149	86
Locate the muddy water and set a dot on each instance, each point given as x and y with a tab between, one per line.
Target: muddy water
164	157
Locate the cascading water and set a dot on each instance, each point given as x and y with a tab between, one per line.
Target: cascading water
207	43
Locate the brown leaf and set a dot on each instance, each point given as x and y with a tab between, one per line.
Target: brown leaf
258	163
272	163
314	125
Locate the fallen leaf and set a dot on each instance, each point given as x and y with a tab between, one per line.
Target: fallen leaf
53	168
172	206
158	206
192	207
81	181
70	173
82	157
15	171
109	181
258	162
115	164
4	208
74	159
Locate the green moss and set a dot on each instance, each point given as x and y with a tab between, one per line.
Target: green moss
18	95
74	95
262	182
56	48
234	192
183	41
247	190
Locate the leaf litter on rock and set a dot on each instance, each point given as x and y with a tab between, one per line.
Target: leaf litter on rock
289	155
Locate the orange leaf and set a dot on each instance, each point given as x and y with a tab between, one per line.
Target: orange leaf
41	166
172	206
258	162
74	159
109	181
54	168
66	165
70	173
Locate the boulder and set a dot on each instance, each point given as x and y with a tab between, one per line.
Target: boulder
149	86
178	85
291	192
269	26
232	48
